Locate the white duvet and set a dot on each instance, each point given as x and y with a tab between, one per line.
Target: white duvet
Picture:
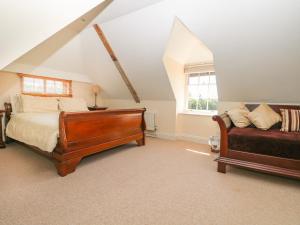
38	129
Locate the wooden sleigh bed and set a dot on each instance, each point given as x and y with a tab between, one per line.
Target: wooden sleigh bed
85	133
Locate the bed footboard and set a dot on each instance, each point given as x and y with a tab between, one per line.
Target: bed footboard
86	133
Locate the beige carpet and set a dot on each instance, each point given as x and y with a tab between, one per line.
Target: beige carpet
163	183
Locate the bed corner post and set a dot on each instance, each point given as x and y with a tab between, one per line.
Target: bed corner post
8	112
141	141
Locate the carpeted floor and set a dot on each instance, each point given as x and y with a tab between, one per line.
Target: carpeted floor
163	183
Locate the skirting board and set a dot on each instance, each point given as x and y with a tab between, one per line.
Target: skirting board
181	137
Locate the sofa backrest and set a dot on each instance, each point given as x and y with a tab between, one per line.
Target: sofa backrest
276	108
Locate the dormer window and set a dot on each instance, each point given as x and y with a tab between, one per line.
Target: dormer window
201	92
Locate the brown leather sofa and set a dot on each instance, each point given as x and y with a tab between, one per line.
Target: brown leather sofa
271	151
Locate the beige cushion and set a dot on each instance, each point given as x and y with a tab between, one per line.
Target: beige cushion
39	104
239	116
264	117
72	105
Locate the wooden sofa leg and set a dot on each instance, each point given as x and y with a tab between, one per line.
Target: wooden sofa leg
66	167
221	167
140	142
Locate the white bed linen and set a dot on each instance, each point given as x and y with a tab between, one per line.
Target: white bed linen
38	129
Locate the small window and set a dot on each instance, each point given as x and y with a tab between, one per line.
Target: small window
202	92
45	86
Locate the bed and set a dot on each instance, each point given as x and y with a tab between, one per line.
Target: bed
67	137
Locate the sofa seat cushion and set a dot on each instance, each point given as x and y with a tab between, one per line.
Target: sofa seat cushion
272	142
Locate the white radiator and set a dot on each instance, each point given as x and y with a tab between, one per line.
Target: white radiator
150	120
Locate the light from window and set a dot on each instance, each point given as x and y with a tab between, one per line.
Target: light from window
202	92
45	86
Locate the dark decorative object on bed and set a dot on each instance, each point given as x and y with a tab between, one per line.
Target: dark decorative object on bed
271	151
98	108
2	145
85	133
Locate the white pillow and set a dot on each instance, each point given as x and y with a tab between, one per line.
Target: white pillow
16	103
72	105
239	116
264	117
39	104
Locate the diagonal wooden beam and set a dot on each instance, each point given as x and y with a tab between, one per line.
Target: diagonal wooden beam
116	62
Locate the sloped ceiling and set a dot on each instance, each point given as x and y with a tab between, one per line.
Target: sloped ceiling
122	7
61	54
25	24
255	46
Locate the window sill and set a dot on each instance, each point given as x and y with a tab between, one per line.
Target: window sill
199	113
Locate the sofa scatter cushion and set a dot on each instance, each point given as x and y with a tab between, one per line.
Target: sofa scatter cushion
72	105
239	116
290	120
264	117
39	104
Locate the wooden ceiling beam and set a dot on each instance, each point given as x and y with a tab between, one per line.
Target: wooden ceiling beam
116	62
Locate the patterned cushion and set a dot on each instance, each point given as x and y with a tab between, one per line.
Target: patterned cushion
290	120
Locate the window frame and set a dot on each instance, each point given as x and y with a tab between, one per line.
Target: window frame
45	79
186	97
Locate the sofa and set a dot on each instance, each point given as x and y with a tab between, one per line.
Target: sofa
270	151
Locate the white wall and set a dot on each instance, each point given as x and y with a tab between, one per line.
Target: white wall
175	71
165	112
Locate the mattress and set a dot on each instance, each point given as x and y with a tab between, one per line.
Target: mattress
37	129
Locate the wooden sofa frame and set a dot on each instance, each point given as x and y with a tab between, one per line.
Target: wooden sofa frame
85	133
258	162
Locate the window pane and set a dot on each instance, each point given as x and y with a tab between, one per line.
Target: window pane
202	92
212	79
33	85
202	104
59	87
213	93
204	79
212	104
50	87
193	91
192	104
28	84
193	79
54	87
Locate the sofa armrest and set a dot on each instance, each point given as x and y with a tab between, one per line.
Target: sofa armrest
224	124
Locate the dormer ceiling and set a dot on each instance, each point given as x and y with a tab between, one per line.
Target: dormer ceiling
255	45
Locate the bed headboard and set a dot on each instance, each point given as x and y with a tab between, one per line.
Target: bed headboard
8	111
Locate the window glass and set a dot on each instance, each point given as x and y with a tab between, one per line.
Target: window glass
202	92
45	86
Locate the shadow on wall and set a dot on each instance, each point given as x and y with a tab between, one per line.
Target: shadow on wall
43	51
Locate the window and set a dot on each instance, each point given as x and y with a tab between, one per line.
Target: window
45	86
202	92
